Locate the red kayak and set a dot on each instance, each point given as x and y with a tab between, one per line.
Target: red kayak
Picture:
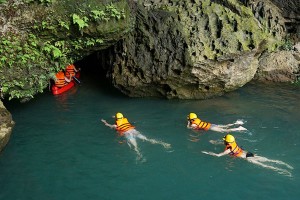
59	90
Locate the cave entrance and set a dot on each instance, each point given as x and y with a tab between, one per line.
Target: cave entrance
95	68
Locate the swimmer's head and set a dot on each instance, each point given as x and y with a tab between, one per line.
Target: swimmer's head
119	116
191	116
228	138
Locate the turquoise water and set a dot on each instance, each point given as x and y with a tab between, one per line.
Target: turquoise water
59	149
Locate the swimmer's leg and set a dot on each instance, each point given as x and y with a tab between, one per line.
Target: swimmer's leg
263	159
217	128
257	161
142	137
238	129
238	122
131	141
165	145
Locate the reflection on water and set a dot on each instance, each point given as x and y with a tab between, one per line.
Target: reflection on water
59	149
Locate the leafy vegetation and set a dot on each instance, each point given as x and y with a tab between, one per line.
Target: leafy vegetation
81	22
28	62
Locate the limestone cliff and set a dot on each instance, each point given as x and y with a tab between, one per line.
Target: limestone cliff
291	12
194	49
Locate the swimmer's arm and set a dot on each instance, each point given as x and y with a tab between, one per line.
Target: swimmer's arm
188	124
109	125
217	154
191	126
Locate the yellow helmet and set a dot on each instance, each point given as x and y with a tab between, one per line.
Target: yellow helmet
192	116
229	138
119	116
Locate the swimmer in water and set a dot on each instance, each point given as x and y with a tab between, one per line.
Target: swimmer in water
124	128
232	149
196	124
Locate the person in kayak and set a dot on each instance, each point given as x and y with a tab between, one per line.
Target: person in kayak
71	70
193	122
61	80
126	129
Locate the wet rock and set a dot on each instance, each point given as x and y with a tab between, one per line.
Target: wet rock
291	12
6	125
296	47
282	66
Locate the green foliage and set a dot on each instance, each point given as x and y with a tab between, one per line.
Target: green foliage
110	12
3	1
64	25
113	12
98	15
46	26
27	64
81	22
82	45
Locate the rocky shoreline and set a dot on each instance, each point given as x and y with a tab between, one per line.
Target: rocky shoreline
6	126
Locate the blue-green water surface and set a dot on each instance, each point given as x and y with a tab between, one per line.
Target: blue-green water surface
60	150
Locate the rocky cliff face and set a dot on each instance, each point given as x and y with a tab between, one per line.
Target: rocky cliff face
194	49
280	66
291	12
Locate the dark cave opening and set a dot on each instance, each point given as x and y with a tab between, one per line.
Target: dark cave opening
95	68
92	66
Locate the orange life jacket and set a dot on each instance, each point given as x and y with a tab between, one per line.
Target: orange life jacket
60	79
70	70
123	125
235	150
200	124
